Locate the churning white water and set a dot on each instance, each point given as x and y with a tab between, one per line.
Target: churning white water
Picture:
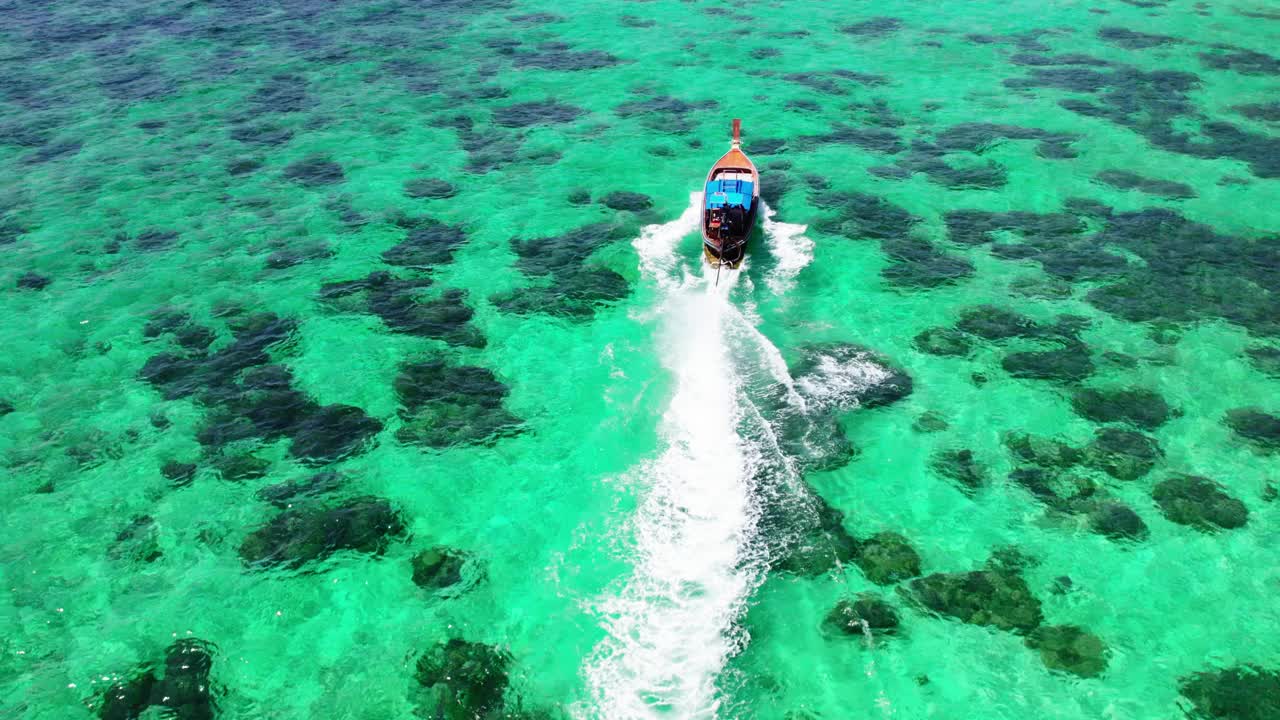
671	626
791	248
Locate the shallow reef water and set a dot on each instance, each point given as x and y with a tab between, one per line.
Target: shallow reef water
360	361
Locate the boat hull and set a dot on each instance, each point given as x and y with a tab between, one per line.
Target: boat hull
718	246
732	254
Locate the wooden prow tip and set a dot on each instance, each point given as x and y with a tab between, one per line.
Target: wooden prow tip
737	132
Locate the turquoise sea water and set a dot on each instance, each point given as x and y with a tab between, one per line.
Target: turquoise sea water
360	361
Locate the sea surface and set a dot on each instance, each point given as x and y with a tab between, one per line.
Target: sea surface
360	362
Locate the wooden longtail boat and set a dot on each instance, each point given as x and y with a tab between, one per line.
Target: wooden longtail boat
730	200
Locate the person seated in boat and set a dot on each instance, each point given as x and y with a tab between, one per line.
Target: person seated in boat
716	219
735	220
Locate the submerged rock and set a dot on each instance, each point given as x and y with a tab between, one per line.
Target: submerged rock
241	467
429	188
1116	521
184	692
930	421
315	171
997	598
1067	364
438	568
994	323
332	433
841	376
428	243
1122	454
298	536
138	541
468	679
960	466
824	545
1243	692
1070	649
886	558
1265	358
866	612
178	473
1199	502
1258	427
1142	408
944	342
283	495
1041	451
32	281
627	200
444	405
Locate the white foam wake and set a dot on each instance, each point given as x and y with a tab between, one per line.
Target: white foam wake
670	626
792	249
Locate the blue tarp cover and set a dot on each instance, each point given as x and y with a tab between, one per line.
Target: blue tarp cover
729	192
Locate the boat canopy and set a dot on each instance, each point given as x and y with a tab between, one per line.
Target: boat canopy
729	193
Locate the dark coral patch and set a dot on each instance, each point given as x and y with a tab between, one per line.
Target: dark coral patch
1245	62
577	285
1266	359
841	376
1156	103
1266	112
260	133
1145	409
153	239
331	433
865	613
303	535
1069	648
1122	454
1200	503
996	323
541	18
1134	40
444	405
238	468
399	305
184	691
944	342
434	188
1256	426
443	570
917	263
1116	521
874	27
627	200
558	58
1067	364
875	139
465	679
961	467
886	558
998	598
178	473
1126	180
298	254
1242	692
437	568
284	495
820	543
428	243
979	137
315	171
32	281
539	112
282	94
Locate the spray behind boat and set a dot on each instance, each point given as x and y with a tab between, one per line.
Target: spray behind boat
730	203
